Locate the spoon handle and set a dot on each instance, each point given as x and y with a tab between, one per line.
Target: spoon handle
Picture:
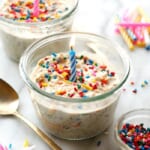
39	132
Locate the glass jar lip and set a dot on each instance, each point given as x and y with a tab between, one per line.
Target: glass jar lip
50	23
32	85
117	138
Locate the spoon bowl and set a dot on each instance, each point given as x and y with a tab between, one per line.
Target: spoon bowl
9	102
9	99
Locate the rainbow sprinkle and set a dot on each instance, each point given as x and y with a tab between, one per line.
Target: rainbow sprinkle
136	136
52	74
26	146
23	10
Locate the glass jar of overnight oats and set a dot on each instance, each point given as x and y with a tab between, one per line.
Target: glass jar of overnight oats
85	107
19	26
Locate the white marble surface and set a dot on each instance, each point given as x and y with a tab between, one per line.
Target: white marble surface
93	16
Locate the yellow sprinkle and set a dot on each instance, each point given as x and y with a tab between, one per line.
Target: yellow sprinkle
93	80
26	143
41	15
126	38
60	92
44	84
87	87
60	67
68	82
34	19
57	16
64	74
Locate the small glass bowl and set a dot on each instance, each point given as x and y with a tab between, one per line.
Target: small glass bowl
135	117
17	36
75	119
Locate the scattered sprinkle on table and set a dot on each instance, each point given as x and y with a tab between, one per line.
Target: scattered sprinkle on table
98	143
26	146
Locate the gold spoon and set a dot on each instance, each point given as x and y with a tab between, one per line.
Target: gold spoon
9	101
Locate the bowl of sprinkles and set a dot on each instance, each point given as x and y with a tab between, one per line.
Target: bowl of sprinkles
24	21
75	81
132	131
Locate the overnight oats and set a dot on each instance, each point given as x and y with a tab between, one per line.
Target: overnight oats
76	108
24	21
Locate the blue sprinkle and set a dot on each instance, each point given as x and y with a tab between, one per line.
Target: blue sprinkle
17	10
90	62
80	106
84	90
85	97
147	47
146	82
28	14
98	143
87	76
55	77
54	54
41	1
60	11
10	147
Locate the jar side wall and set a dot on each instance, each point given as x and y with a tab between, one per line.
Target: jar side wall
79	122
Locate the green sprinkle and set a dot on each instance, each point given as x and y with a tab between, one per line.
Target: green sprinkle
81	56
42	65
96	64
79	86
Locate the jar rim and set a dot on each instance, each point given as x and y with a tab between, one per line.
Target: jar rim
122	117
32	85
49	23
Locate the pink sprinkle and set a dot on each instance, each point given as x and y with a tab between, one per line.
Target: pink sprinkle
94	73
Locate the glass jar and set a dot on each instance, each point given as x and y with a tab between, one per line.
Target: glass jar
75	119
136	117
17	36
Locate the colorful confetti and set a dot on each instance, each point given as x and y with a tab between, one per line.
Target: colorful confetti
26	146
137	87
136	136
23	10
92	77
